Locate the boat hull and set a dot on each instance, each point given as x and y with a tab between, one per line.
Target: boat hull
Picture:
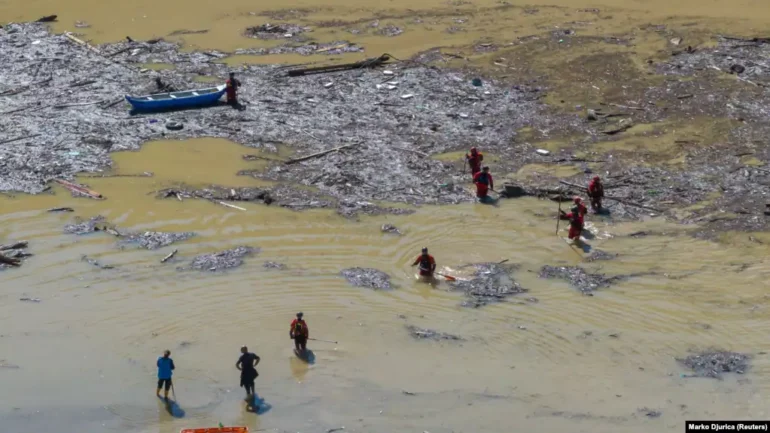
176	100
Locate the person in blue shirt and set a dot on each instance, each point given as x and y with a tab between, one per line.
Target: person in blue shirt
165	370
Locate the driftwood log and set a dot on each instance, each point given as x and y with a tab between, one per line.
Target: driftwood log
368	63
9	261
14	246
319	154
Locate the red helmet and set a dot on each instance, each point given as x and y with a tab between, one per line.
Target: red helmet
473	150
577	199
596	178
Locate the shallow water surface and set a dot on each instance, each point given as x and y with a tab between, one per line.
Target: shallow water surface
564	361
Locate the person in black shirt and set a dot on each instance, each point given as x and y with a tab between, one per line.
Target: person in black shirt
247	364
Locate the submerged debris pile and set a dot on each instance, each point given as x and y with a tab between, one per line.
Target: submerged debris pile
12	255
650	413
276	31
283	196
80	227
600	255
6	364
491	282
218	193
368	278
389	228
714	363
430	334
390	31
222	260
95	262
579	278
327	48
155	240
351	208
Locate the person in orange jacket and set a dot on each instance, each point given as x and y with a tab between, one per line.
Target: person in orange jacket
596	194
299	332
576	222
582	207
474	160
427	264
484	183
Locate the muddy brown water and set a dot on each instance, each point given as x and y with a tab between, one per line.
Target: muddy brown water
86	353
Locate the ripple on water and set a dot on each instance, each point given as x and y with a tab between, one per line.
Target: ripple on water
145	306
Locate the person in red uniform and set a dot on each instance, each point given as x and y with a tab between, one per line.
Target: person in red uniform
575	218
299	332
579	203
427	264
232	88
596	194
474	160
484	183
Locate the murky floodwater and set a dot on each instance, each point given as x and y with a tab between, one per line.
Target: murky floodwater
86	353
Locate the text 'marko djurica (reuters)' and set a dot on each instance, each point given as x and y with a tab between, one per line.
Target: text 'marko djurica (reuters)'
726	426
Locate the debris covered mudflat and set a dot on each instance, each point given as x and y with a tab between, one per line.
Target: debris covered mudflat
373	134
363	136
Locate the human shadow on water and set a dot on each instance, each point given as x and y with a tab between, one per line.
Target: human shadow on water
172	407
432	282
583	246
308	356
257	405
487	200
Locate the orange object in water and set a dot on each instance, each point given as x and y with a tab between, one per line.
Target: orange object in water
217	430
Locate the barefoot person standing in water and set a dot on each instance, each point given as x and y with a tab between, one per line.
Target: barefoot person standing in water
247	363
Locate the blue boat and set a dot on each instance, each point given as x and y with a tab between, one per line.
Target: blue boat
177	100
